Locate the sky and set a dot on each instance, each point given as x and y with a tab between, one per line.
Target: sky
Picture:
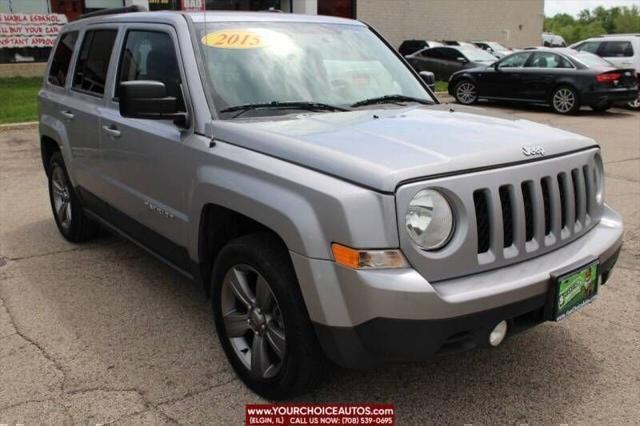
573	7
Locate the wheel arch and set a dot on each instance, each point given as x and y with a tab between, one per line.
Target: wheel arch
48	146
217	226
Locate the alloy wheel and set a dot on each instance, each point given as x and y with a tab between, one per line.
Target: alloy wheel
466	93
635	104
61	197
253	321
564	100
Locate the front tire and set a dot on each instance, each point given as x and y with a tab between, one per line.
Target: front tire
261	319
565	100
72	222
466	92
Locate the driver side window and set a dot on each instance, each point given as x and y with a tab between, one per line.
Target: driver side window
514	61
151	55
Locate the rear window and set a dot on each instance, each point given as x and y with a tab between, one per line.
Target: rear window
62	59
591	60
616	49
93	61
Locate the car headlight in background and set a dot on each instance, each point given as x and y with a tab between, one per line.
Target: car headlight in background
429	219
598	173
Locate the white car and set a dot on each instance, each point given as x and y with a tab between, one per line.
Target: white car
622	50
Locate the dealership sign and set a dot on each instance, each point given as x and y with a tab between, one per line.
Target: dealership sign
30	29
192	5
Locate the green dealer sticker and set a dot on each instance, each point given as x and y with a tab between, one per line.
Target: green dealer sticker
576	290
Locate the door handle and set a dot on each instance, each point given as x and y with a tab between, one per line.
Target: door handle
112	131
67	114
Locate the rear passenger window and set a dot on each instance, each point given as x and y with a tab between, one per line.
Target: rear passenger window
93	61
150	55
62	59
616	49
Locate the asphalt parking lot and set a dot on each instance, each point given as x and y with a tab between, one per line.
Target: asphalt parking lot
103	332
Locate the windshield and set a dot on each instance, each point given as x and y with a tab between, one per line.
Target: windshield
475	54
591	60
274	63
497	46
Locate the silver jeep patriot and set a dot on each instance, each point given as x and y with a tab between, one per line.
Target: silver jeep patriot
332	208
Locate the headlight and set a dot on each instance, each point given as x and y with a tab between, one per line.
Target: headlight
429	219
598	172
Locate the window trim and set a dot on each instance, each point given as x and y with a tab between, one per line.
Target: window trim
172	32
77	59
533	54
72	61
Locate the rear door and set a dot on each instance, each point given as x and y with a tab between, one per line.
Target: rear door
85	100
540	73
141	159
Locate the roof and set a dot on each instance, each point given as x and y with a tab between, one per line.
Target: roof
212	17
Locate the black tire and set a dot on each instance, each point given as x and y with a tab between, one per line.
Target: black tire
466	92
634	105
601	108
77	227
301	366
566	92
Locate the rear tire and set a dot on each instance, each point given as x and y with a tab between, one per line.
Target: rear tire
635	104
73	223
565	100
261	318
466	92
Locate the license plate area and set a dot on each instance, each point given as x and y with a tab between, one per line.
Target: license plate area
573	289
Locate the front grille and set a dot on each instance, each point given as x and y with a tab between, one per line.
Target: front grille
562	202
507	215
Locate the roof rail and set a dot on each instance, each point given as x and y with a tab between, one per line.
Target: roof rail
114	11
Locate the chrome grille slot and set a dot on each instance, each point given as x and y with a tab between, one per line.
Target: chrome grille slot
483	226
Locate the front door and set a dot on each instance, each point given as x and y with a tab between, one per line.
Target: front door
141	159
506	81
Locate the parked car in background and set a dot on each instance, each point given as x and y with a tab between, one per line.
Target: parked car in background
458	43
444	61
622	50
495	48
410	46
564	78
553	40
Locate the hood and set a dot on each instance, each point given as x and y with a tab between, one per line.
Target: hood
381	148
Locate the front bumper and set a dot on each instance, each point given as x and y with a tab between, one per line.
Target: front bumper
364	318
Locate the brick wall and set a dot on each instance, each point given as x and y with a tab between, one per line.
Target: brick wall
514	23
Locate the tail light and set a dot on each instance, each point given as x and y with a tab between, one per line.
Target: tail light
608	77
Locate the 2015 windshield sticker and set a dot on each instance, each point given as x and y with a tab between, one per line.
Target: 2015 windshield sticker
234	39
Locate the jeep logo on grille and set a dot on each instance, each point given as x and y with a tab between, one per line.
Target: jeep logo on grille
533	151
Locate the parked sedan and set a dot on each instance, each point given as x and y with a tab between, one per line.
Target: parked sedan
563	78
410	46
444	61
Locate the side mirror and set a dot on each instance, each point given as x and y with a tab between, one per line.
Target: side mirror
148	99
429	78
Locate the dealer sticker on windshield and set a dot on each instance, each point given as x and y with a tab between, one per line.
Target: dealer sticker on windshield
234	39
575	290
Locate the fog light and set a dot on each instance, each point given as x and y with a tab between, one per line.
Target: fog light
498	334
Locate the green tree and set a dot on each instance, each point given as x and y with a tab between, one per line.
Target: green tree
628	20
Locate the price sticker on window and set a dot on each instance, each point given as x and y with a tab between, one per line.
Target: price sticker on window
234	39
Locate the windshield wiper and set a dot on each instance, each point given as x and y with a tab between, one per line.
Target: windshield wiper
391	99
311	106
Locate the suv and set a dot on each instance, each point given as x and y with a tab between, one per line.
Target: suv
301	171
622	50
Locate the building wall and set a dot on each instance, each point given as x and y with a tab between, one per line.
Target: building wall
514	23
